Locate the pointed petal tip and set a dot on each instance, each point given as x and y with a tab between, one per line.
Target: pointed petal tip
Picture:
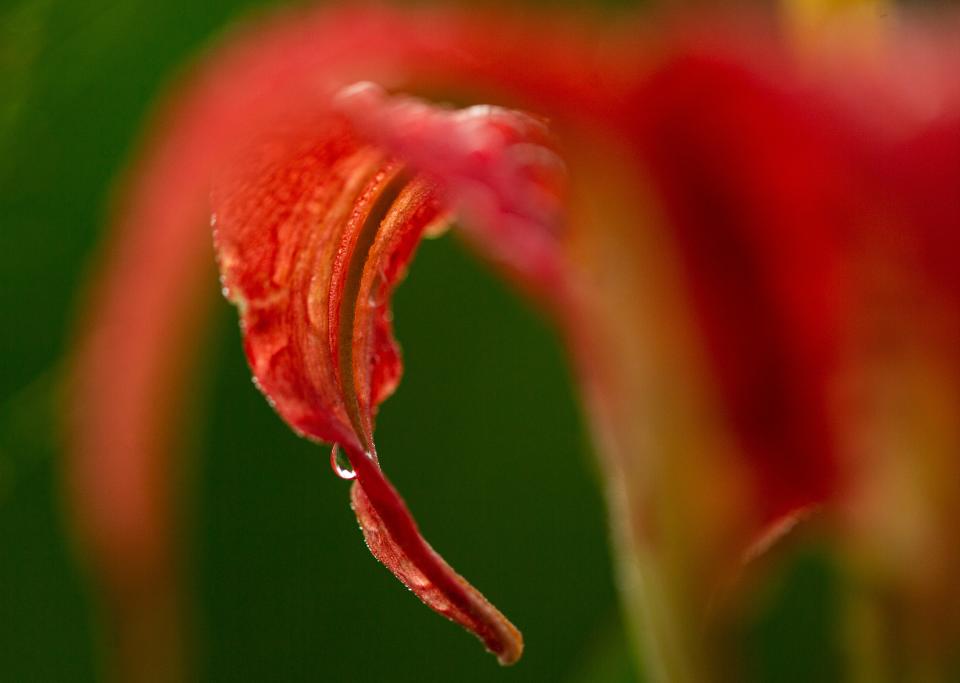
393	538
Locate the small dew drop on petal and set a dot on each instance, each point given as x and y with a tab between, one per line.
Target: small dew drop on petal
340	464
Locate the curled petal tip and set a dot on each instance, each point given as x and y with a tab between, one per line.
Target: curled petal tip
393	538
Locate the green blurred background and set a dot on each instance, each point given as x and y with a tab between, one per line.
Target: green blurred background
484	437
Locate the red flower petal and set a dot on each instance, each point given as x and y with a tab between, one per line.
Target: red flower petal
758	201
313	231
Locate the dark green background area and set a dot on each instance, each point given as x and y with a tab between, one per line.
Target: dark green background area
484	437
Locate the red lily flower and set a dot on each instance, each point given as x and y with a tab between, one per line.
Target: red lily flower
708	213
